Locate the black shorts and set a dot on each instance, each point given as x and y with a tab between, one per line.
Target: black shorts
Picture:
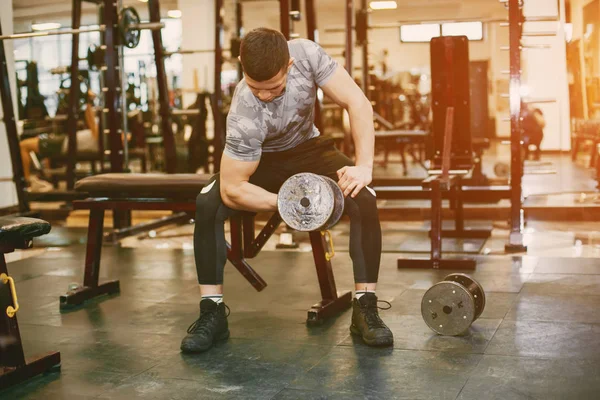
51	144
317	155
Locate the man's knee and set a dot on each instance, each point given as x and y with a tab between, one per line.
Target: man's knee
365	203
209	199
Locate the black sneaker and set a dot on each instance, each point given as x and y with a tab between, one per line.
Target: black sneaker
367	324
208	329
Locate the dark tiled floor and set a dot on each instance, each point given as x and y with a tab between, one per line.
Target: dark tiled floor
538	338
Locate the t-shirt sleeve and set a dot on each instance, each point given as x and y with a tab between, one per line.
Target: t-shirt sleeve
322	65
244	139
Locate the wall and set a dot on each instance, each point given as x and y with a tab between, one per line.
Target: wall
8	194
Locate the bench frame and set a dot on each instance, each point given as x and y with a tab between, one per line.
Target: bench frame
244	245
14	368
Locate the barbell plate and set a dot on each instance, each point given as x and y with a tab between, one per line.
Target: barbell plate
474	287
338	204
305	202
129	22
448	308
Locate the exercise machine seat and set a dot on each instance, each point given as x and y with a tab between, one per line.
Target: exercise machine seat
19	229
122	185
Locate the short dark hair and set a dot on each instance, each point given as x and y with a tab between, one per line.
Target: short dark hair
264	53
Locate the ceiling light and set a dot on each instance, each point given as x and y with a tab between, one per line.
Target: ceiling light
143	1
45	26
174	13
383	5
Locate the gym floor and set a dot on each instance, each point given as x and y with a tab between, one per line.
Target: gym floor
539	336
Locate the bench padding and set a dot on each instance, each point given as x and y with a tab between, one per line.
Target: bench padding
117	185
18	229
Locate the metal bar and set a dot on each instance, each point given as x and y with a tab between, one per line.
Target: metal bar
349	35
459	218
252	246
76	30
217	106
13	356
365	51
447	150
284	18
163	89
436	222
527	46
73	98
121	55
313	34
11	131
248	234
111	100
324	270
185	112
93	248
239	31
174	219
516	166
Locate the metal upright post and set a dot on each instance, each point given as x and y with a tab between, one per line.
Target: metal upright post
365	49
515	18
111	100
284	18
217	103
349	35
311	28
123	85
10	122
73	98
163	91
239	31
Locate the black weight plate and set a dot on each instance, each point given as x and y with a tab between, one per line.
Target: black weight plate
448	308
474	287
130	37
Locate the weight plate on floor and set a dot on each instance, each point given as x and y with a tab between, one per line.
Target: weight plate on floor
306	202
474	287
448	308
338	207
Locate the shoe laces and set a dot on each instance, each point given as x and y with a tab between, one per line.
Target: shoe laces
206	319
372	314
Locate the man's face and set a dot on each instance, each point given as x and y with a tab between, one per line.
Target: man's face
268	90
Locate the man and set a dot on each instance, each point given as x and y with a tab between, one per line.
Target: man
270	137
52	145
532	126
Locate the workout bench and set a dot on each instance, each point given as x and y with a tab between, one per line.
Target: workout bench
178	192
17	233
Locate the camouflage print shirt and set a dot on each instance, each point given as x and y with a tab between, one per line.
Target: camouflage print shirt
254	126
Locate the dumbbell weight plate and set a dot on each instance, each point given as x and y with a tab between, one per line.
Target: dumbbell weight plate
338	208
474	287
448	308
130	37
305	202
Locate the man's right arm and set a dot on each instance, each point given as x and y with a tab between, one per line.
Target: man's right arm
236	190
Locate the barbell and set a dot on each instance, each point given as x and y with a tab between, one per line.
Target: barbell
129	27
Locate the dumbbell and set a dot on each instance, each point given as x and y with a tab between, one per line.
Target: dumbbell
451	306
310	202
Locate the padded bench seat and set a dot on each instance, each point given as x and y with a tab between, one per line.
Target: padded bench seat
21	229
122	185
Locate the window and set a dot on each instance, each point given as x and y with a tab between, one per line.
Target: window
419	32
423	33
472	30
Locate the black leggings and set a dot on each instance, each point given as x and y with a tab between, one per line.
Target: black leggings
318	156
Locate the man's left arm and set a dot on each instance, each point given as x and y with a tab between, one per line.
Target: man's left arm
342	89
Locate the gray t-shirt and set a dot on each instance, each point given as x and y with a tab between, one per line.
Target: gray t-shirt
254	126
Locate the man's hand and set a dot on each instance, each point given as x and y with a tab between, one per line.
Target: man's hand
352	179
